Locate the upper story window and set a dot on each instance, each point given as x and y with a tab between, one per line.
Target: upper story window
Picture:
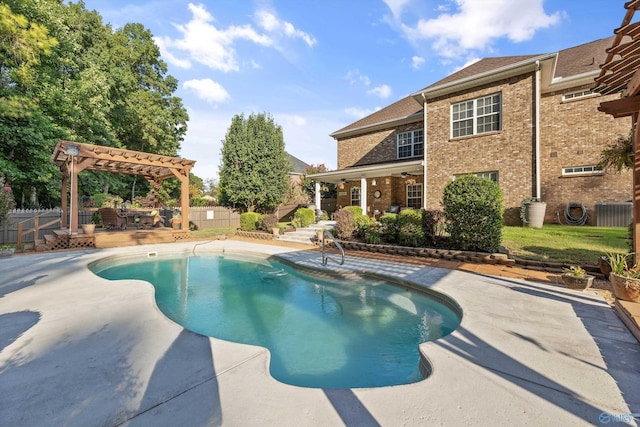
577	94
582	170
410	144
476	116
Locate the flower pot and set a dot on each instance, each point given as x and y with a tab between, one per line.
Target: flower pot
6	252
575	282
625	288
275	231
88	228
535	214
176	223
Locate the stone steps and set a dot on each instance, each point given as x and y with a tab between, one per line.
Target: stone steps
307	235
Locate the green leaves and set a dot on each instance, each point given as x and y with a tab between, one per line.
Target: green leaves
255	168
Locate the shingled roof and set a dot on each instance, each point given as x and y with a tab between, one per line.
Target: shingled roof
570	62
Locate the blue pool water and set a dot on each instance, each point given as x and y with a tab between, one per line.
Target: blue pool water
320	332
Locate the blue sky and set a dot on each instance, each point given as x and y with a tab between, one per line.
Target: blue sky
317	66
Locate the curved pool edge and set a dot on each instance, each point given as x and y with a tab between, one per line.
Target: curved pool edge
425	366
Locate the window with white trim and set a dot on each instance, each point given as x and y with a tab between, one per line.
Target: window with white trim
476	116
577	94
414	196
355	196
582	170
410	144
493	176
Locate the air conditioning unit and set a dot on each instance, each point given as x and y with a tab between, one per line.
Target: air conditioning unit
614	214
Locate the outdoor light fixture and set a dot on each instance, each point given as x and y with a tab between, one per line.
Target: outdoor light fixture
373	182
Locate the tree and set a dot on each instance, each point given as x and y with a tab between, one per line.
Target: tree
255	167
618	155
327	191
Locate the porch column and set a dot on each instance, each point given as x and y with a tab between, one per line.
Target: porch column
636	186
64	199
318	197
363	194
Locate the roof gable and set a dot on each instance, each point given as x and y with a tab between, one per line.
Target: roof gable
582	59
404	108
297	165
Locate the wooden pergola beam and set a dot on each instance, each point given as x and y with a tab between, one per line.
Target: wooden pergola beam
155	168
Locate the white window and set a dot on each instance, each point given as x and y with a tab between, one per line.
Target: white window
577	94
476	116
493	176
582	170
410	144
414	196
355	196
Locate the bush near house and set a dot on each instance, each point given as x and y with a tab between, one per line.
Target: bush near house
410	231
269	222
303	217
355	210
389	227
433	226
345	224
473	213
250	221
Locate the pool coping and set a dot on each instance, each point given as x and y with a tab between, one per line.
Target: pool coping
525	352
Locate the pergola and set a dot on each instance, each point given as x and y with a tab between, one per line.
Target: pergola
621	73
75	157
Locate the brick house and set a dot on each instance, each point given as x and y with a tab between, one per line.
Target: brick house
531	123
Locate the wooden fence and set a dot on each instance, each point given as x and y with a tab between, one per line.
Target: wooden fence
202	217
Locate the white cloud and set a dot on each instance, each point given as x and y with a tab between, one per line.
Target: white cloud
359	113
396	6
354	77
382	91
269	22
417	62
207	89
476	24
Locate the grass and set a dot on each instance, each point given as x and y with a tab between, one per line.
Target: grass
564	243
213	232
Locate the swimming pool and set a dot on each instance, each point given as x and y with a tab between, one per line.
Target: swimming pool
320	331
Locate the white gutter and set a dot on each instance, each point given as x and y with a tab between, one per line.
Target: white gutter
424	149
537	134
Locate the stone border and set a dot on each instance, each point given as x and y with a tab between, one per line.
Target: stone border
469	256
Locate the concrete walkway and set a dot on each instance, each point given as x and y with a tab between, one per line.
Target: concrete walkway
79	350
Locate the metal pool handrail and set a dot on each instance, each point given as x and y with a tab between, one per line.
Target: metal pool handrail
325	258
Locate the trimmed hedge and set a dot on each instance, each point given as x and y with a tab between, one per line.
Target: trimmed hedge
250	221
473	212
303	217
410	231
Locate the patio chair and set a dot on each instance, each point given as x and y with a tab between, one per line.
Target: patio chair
112	220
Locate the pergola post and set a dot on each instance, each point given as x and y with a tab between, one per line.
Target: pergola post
64	199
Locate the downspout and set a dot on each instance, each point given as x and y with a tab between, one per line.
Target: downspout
537	133
424	149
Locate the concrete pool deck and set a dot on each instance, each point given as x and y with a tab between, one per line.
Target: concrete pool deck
79	350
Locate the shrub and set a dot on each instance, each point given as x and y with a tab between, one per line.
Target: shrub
345	224
249	221
269	222
355	210
389	227
362	224
303	217
410	232
324	216
433	226
372	234
473	212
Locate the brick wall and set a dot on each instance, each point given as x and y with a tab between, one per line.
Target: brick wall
572	133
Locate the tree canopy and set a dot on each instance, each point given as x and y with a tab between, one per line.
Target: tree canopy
66	75
255	167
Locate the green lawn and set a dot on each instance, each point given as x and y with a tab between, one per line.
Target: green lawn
564	243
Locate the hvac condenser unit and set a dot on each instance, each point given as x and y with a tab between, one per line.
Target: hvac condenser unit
614	214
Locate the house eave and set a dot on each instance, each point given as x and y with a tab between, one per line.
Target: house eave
413	167
378	126
490	76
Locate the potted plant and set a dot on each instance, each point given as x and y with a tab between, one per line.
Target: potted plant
575	277
176	221
6	251
88	229
625	277
532	212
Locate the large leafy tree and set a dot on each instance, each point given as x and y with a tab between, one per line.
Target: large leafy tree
255	167
327	190
66	75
